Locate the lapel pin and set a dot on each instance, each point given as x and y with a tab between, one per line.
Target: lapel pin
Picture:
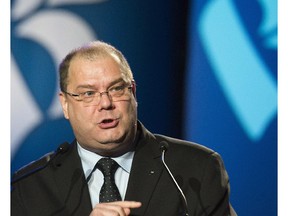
151	172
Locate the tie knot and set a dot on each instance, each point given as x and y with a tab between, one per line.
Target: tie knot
107	166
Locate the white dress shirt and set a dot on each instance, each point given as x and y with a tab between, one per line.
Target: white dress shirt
89	159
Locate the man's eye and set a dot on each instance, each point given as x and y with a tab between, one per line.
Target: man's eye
117	88
89	94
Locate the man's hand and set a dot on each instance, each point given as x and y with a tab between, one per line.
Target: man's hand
119	208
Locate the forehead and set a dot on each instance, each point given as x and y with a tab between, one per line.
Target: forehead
87	64
95	71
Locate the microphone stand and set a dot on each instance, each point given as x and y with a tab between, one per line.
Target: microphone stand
164	149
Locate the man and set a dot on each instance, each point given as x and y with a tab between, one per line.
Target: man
98	97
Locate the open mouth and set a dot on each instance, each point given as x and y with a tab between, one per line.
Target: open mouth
108	123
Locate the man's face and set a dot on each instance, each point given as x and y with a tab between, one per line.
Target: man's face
108	128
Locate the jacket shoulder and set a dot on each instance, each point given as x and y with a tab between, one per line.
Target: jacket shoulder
183	144
38	164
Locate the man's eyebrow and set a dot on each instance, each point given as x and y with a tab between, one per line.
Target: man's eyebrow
91	86
85	86
120	79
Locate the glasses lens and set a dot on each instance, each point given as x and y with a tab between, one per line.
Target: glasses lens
115	95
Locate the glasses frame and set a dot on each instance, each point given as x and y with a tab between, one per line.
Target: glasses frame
107	92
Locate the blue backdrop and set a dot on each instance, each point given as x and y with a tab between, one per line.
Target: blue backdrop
231	95
206	71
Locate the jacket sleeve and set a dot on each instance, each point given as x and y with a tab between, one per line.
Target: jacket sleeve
17	208
215	188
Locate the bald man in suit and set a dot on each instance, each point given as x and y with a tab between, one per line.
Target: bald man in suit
98	97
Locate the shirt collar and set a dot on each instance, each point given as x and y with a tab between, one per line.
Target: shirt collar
89	159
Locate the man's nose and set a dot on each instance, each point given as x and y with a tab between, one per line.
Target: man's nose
105	100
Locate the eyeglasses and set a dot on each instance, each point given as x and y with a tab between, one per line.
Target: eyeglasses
115	93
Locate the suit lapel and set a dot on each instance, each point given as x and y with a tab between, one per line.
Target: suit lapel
70	180
145	173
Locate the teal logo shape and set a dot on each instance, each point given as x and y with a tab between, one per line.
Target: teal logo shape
242	74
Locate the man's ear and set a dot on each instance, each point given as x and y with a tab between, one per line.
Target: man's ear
64	104
134	88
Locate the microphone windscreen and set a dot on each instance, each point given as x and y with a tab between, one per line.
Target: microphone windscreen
164	146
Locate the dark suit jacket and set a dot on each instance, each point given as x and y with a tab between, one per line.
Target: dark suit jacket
59	187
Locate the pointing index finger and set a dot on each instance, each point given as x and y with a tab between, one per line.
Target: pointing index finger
127	204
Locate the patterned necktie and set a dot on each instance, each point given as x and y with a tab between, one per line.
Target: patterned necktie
109	191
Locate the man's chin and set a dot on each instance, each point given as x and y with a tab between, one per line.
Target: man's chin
112	150
112	141
110	147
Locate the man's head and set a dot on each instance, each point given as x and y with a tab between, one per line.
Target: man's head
98	96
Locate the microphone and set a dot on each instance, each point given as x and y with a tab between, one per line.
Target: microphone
163	148
39	164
